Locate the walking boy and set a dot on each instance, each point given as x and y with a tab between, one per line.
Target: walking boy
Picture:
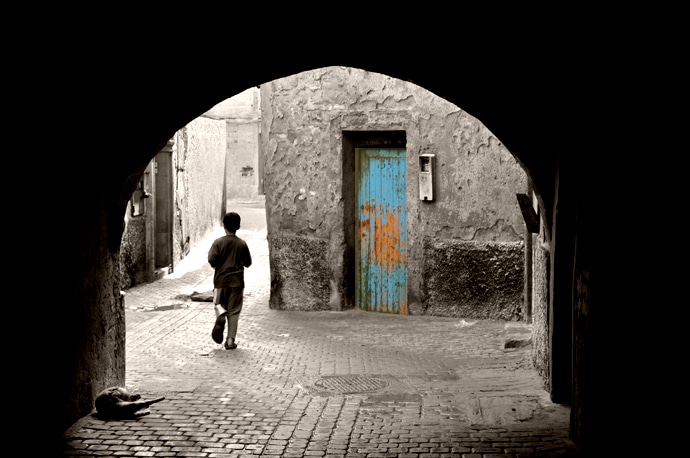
229	255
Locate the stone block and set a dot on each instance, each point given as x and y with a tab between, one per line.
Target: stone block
300	273
517	335
482	280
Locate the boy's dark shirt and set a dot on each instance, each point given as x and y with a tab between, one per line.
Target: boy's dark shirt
229	255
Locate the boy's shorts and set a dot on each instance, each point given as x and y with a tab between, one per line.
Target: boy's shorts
230	298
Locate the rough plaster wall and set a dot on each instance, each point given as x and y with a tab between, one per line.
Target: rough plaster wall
302	186
201	167
94	324
299	273
302	123
540	309
181	239
242	114
243	160
133	251
473	279
476	182
242	106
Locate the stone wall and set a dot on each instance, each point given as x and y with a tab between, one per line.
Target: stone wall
242	115
299	272
136	246
200	149
133	262
306	119
243	170
473	279
540	308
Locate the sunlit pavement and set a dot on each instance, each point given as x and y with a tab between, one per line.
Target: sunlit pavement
332	384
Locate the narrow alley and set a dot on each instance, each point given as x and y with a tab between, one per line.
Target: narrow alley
331	384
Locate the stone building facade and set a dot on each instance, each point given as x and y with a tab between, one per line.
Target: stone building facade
465	248
243	164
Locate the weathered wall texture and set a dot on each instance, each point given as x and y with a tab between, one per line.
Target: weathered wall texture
242	115
136	267
540	306
243	160
299	261
200	158
475	279
94	350
133	261
308	183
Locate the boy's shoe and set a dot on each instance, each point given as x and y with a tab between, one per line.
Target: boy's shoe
218	329
231	346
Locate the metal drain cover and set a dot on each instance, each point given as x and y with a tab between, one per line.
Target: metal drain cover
349	384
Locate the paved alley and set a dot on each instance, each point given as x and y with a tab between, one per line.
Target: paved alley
322	384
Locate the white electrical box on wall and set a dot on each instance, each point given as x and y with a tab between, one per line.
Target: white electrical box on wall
426	177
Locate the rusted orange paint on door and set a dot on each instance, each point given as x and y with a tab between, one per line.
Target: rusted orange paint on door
387	249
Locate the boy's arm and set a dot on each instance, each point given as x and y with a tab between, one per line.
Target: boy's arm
213	255
247	257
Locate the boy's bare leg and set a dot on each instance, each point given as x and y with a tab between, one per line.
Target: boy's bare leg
232	330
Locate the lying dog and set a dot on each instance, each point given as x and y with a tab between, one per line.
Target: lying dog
117	403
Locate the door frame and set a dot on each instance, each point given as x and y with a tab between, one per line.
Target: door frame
351	139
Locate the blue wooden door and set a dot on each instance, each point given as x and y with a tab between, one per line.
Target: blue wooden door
381	239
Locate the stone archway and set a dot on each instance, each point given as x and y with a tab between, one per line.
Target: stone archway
90	331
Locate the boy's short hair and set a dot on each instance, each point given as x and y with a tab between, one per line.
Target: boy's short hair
231	221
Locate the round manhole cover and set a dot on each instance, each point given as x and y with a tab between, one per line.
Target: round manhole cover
348	384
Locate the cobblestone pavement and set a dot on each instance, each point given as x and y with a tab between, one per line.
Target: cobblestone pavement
323	384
